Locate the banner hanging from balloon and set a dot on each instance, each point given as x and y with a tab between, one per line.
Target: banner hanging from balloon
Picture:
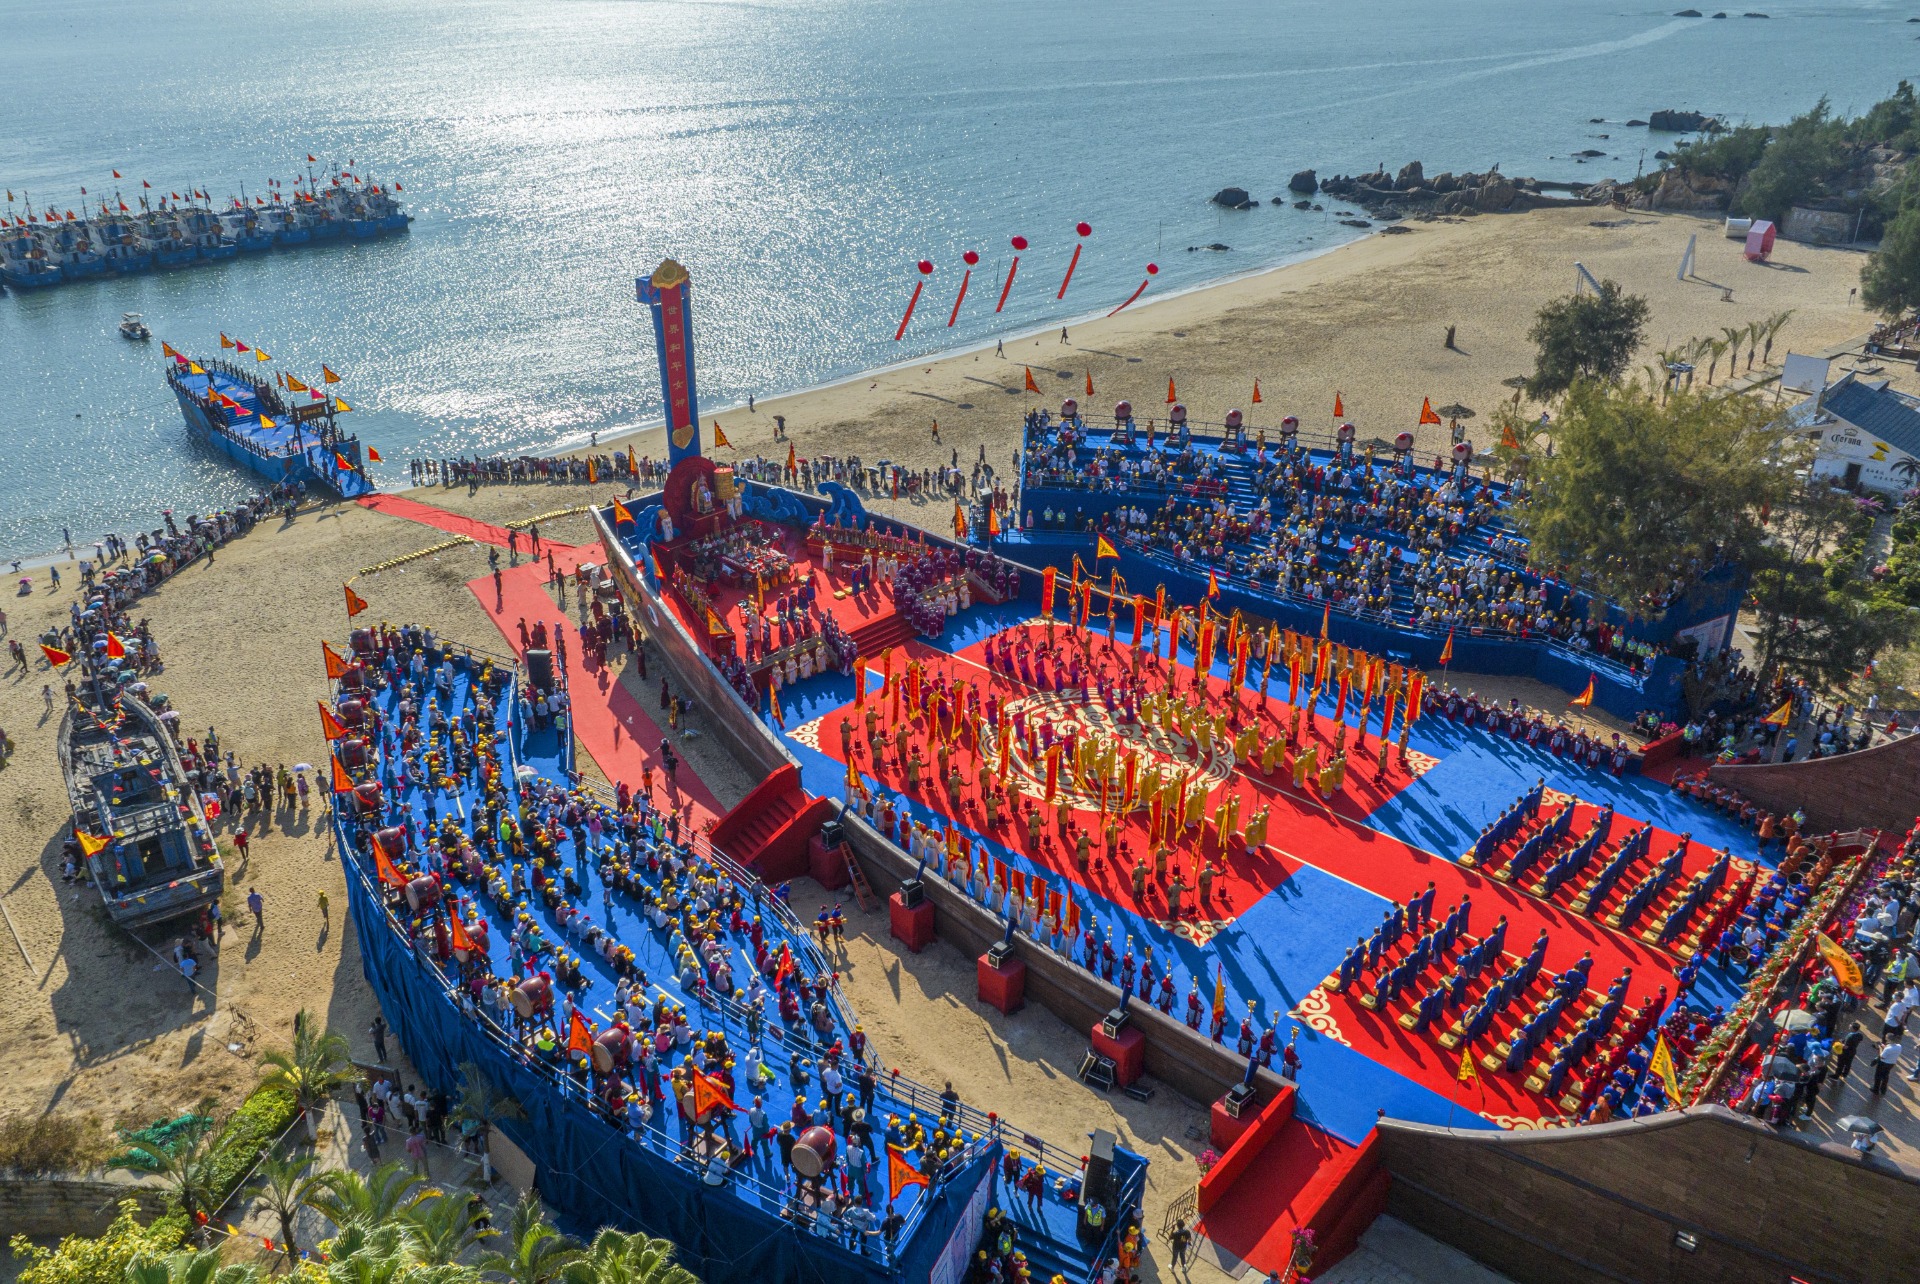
1085	230
969	258
1019	244
926	270
1153	270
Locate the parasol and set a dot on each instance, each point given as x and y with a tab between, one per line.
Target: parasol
1858	1123
1799	1019
303	766
1782	1068
1455	411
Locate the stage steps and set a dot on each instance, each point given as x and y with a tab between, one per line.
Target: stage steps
768	832
1301	1178
876	635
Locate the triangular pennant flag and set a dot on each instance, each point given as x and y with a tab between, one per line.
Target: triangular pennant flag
383	865
902	1174
240	347
1446	651
1031	385
1585	698
1661	1064
355	603
709	1093
621	513
458	935
260	355
1781	716
342	782
1103	547
294	385
166	350
1426	411
1171	398
1256	392
116	649
330	726
720	436
340	407
55	656
336	663
579	1034
267	422
328	376
1466	1073
1089	383
373	456
225	342
91	844
341	460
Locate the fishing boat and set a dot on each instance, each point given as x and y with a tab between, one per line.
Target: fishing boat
25	261
246	229
132	327
234	412
282	224
75	251
128	787
171	248
124	245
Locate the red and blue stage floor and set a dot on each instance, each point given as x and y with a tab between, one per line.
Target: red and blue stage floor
1279	918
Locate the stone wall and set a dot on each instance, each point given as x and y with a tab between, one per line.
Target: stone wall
1876	788
56	1206
1703	1196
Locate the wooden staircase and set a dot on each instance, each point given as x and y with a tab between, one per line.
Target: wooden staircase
877	635
862	890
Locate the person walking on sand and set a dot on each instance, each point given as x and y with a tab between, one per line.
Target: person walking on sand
257	906
324	907
1063	334
999	348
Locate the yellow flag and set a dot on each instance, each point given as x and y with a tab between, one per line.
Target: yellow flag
91	843
265	422
340	407
1846	968
1661	1063
1779	717
1466	1073
193	367
294	385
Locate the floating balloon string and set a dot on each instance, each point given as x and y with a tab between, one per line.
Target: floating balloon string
969	258
926	270
1019	244
1085	230
1153	270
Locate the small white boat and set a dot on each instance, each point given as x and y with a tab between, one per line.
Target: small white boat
132	327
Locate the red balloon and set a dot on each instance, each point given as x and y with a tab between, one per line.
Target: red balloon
1153	269
926	267
1019	242
1085	229
970	258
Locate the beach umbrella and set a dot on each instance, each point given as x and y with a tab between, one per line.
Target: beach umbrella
524	772
1782	1068
1799	1019
302	766
1859	1123
1456	411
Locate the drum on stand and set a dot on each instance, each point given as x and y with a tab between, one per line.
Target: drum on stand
813	1152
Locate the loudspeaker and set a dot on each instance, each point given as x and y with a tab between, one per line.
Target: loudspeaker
1098	1182
832	834
540	669
1114	1022
1238	1098
912	892
998	953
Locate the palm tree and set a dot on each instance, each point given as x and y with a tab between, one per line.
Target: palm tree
316	1065
537	1252
483	1106
345	1198
1755	329
439	1231
1734	335
285	1185
1773	326
184	1165
617	1258
201	1267
1715	349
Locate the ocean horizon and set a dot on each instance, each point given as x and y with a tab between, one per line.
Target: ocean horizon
799	157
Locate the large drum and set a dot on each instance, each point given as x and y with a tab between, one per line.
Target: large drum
1462	453
368	797
1177	415
361	641
352	712
1403	443
1234	420
612	1050
533	997
423	894
1289	429
1122	411
355	677
1070	409
813	1151
1346	433
391	841
353	753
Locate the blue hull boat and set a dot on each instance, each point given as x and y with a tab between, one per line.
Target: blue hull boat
224	250
29	278
395	222
175	258
292	236
254	244
132	263
79	269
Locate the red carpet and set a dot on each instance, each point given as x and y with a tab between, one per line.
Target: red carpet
440	519
1254	1219
608	718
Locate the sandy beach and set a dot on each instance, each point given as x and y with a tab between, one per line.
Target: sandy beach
97	1024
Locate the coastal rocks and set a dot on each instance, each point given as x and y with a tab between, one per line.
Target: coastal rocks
1411	176
1590	152
1216	247
1688	13
1495	195
1306	182
1672	121
1681	191
1355	222
1233	198
1303	205
1637	123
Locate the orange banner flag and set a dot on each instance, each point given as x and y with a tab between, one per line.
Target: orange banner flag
1338	408
330	725
336	664
1426	411
1256	392
384	866
355	603
342	782
1171	398
707	1094
55	656
460	938
1585	699
116	649
902	1174
579	1035
1031	385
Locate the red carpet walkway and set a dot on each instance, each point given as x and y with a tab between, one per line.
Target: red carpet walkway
440	519
608	719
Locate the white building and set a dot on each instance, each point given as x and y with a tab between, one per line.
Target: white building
1866	433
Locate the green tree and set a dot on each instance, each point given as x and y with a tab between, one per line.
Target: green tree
439	1231
311	1070
1818	615
188	1268
1585	336
345	1198
618	1258
1639	495
482	1107
184	1164
1804	155
536	1253
100	1259
1890	280
285	1183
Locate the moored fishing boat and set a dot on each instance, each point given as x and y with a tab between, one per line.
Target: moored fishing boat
25	261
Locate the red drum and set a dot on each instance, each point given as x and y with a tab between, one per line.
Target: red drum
1346	432
1122	411
1463	452
353	752
1069	409
813	1151
1403	443
1177	415
533	996
613	1048
423	894
361	641
355	678
1233	419
352	712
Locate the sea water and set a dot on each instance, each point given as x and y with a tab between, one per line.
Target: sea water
799	156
